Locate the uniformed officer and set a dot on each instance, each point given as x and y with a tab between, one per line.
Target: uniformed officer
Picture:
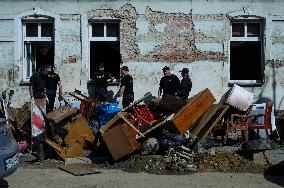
52	80
100	78
37	88
169	84
185	84
126	87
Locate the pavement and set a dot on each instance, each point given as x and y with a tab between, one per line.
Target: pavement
53	178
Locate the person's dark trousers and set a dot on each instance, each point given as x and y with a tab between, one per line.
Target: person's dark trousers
51	94
101	94
127	99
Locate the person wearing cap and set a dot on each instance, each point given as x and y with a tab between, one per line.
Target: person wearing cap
126	88
185	84
169	83
100	78
52	81
37	88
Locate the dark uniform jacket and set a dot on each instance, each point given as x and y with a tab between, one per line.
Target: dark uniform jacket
38	83
101	78
51	80
185	88
170	84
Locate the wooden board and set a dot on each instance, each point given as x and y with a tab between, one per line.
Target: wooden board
185	118
213	121
206	117
120	140
79	169
113	122
61	113
171	103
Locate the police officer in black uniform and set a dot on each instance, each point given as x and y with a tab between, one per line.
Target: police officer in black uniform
169	84
185	84
52	80
100	78
126	87
37	85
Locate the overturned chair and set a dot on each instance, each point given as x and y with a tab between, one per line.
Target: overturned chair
251	120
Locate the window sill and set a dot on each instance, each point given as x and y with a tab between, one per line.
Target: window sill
246	83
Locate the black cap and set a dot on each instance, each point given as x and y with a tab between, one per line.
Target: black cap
166	68
184	70
125	68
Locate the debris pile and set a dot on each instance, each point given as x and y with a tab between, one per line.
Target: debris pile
161	136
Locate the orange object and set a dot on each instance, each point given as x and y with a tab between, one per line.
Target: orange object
244	122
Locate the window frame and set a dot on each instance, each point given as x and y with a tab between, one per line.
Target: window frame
105	37
247	38
26	39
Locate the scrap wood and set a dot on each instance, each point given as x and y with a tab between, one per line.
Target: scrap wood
79	169
206	117
186	117
168	118
211	124
128	123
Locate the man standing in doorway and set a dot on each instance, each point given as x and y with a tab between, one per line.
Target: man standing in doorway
169	84
52	80
185	84
37	88
126	87
100	78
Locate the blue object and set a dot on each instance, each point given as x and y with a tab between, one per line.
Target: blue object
105	111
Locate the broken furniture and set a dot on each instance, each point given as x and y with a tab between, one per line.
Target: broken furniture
87	104
250	121
185	118
119	134
79	135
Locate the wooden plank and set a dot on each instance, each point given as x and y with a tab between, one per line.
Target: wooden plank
210	125
120	140
185	118
111	123
204	119
61	113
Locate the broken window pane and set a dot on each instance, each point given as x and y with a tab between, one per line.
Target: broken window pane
98	30
253	29
238	30
112	29
47	29
31	29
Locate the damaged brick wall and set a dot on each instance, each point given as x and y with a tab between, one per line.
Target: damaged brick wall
178	36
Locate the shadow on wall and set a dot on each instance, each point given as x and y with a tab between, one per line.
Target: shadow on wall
275	174
3	183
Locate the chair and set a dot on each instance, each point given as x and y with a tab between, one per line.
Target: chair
248	121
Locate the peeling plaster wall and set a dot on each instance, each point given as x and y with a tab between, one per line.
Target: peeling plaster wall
193	34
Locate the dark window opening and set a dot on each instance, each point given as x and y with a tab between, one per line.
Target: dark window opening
98	29
39	54
47	29
107	53
238	30
112	29
245	60
32	30
253	29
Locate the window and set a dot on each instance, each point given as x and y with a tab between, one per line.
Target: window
38	45
105	46
104	31
246	52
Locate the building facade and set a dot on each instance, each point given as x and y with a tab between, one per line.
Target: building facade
220	42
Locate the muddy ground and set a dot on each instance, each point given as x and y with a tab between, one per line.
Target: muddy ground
156	164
